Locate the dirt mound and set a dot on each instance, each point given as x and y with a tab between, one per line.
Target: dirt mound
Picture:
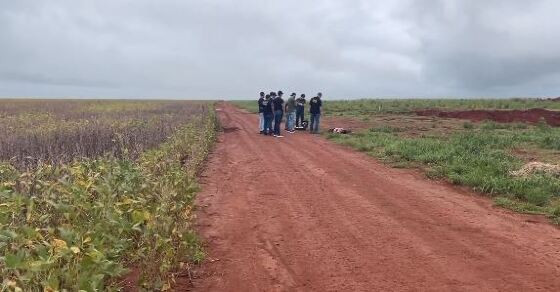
503	116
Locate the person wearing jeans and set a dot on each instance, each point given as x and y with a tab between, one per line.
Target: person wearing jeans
290	109
300	110
291	121
278	104
268	115
272	97
268	118
314	121
278	114
261	115
315	111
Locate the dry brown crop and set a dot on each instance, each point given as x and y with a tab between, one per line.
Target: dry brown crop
57	131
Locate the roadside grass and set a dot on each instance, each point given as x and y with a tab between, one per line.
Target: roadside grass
79	225
363	108
366	107
479	156
249	105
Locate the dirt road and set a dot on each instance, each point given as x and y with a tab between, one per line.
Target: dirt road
302	214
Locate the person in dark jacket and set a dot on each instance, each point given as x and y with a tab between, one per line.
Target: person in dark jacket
315	105
300	110
278	103
272	97
268	115
261	115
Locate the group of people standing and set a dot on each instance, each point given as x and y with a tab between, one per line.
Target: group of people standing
272	108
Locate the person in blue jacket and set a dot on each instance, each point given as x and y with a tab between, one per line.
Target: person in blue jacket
278	103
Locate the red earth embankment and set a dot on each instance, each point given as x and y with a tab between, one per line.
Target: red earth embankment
502	116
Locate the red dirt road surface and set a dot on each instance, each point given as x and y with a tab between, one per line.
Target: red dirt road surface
303	214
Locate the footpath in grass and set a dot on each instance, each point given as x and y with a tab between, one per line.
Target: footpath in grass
79	225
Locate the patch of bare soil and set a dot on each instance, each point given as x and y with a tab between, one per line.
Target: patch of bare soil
408	125
345	122
502	116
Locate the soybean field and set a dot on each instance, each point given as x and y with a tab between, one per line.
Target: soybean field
97	195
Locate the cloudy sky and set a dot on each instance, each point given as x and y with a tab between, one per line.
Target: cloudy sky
236	48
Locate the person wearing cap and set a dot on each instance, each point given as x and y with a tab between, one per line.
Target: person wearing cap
290	109
278	105
261	115
300	110
268	115
315	110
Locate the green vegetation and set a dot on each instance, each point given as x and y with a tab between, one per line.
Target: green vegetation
82	223
478	155
249	105
365	107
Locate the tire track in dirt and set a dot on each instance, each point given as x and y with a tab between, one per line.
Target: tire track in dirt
302	214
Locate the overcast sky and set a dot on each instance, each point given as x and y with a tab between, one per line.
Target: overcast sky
234	49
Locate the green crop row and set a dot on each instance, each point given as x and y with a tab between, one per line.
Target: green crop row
82	225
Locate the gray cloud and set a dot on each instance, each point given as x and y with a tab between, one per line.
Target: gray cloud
232	49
